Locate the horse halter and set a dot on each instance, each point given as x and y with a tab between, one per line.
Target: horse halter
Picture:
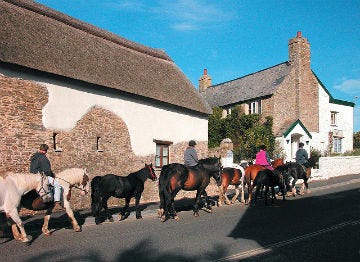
152	173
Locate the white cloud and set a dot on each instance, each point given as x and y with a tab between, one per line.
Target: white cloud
188	15
349	86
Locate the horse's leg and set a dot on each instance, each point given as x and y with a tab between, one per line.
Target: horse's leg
45	227
242	190
293	187
253	203
208	205
15	232
266	194
197	201
273	194
162	203
105	207
221	196
124	211
71	216
237	192
304	184
14	215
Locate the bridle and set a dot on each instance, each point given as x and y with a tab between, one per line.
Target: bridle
153	176
46	191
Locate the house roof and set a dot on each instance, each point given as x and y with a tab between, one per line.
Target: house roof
293	125
243	89
37	37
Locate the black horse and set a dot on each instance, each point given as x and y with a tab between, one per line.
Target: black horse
110	185
174	177
267	178
298	171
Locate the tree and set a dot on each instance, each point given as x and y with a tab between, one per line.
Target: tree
247	132
356	139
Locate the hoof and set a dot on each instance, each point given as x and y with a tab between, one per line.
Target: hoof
77	229
46	232
163	218
26	239
111	219
139	217
160	213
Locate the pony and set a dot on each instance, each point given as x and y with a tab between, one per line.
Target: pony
298	171
12	187
251	172
175	176
267	178
77	178
231	176
110	185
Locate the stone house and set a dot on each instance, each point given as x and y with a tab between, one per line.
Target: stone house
98	100
302	108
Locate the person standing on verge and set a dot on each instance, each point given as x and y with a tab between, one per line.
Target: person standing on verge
39	163
190	155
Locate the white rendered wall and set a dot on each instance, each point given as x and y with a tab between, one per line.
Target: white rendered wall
68	104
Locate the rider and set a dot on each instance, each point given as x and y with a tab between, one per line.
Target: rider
190	155
262	158
39	163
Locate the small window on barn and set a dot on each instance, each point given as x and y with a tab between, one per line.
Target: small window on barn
255	107
99	144
56	143
162	156
334	118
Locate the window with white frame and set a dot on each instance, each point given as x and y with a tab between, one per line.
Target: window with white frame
255	107
337	144
334	118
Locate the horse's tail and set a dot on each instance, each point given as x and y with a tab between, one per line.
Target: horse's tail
95	195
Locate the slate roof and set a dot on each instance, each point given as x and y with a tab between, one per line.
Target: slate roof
259	84
37	37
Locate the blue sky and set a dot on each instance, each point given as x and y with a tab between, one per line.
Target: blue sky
233	38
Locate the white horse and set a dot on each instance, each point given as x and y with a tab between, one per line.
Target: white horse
69	178
12	187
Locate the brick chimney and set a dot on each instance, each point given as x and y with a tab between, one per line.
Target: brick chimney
299	52
204	81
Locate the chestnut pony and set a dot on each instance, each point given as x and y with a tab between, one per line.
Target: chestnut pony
252	171
175	177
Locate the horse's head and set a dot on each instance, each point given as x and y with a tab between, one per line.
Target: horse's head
213	166
85	183
277	162
152	175
43	188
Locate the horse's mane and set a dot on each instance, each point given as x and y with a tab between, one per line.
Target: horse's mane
209	161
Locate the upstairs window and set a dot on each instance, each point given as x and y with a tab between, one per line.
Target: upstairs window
334	118
162	155
255	107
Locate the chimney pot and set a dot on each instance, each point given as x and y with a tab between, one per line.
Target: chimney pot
298	34
205	72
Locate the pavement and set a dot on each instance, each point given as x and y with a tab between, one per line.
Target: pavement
59	219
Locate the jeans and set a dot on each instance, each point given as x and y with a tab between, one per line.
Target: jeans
57	188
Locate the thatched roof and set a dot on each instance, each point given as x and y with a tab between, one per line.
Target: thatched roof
37	37
252	86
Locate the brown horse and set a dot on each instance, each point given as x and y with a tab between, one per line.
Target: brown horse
235	177
252	171
175	177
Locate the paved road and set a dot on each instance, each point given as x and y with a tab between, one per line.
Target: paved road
323	226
